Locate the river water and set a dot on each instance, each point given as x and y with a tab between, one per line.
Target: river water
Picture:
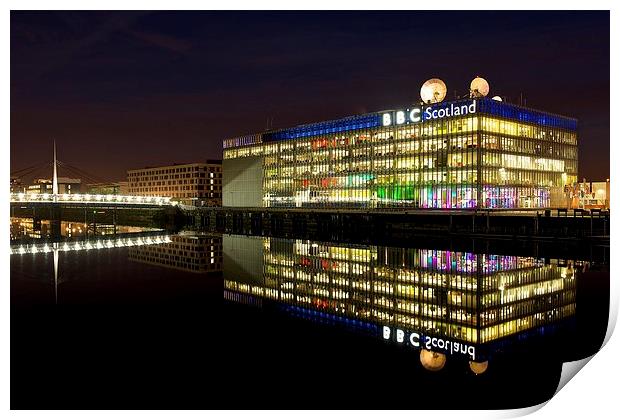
158	320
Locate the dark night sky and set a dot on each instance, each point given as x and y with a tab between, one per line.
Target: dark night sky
121	90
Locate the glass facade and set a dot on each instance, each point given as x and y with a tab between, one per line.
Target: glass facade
493	155
465	297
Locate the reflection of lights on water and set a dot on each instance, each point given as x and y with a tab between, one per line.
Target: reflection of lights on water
87	245
431	360
479	367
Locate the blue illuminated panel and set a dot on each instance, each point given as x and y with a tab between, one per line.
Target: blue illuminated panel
327	127
330	319
513	112
483	106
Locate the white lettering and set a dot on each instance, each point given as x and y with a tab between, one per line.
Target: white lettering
386	333
450	111
430	343
472	353
414	115
429	113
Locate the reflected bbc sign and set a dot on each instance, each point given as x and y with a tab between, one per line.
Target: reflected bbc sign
418	113
417	340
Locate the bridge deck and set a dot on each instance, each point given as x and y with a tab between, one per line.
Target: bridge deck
91	199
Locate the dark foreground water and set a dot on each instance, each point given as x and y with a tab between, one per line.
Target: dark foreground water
204	321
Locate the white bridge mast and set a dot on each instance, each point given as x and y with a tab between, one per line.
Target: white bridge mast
55	178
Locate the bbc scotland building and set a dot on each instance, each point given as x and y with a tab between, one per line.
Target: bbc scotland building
463	154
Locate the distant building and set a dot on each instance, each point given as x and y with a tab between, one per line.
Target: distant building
115	188
198	253
16	185
198	184
591	195
123	188
65	186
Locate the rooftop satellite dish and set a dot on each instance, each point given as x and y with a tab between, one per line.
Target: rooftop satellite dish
497	98
478	88
433	91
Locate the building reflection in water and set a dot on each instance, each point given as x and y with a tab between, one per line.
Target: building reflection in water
187	251
442	303
24	228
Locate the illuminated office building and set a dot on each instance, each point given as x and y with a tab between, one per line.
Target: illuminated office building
16	185
105	188
45	186
474	153
197	253
198	184
467	298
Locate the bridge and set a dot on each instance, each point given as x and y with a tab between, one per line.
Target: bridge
80	200
91	200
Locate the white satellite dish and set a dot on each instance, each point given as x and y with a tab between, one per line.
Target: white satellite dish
433	91
497	98
478	88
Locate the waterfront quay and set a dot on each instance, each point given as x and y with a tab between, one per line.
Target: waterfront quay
544	234
97	213
395	223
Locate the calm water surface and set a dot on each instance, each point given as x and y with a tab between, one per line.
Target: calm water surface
200	320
